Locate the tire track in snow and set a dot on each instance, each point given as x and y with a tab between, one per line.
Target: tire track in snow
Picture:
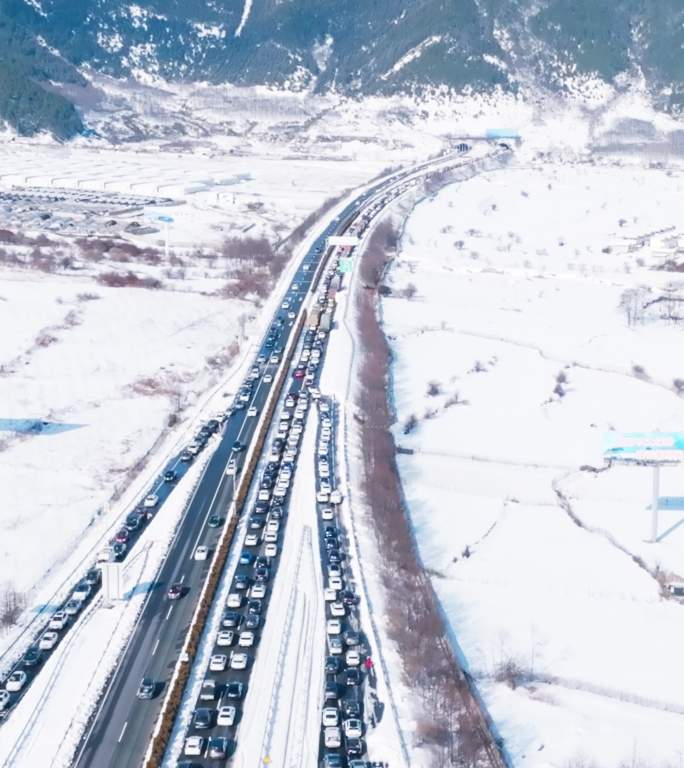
246	10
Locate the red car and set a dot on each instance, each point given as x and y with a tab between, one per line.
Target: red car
175	591
121	536
299	373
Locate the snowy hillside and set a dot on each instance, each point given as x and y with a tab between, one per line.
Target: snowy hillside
516	354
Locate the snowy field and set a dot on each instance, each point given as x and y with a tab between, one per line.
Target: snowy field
515	356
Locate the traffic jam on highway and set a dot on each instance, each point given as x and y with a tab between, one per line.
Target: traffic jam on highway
219	710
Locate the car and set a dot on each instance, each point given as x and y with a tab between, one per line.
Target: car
351	676
208	690
121	536
241	581
238	660
32	657
252	410
352	658
264	494
254	606
252	621
337	609
353	728
329	595
185	456
5	698
246	558
336	497
73	607
147	688
268	378
252	539
323	497
332	665
333	555
335	646
203	718
258	591
271	549
351	708
271	538
217	748
351	637
257	522
232	467
194	746
331	716
118	550
215	521
48	641
202	552
237	446
16	681
262	573
231	620
246	639
334	570
335	581
59	620
332	737
226	715
175	591
331	691
193	448
151	501
349	597
327	513
225	637
133	521
218	662
333	760
234	690
353	747
170	476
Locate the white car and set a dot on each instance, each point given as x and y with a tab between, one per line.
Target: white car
322	449
280	493
332	737
193	449
336	497
246	639
331	717
323	497
334	570
59	620
4	699
226	716
232	469
258	591
264	494
333	626
238	660
335	582
324	472
271	537
329	595
252	540
271	550
48	641
218	662
335	645
151	501
234	600
352	658
273	525
202	552
353	728
225	637
194	746
337	609
73	607
252	410
82	591
327	513
16	681
268	378
324	486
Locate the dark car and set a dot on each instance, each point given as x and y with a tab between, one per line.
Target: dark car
332	760
351	637
218	748
234	690
241	581
266	483
215	521
203	718
132	521
238	446
231	619
262	562
147	688
334	557
119	550
186	456
353	747
352	676
246	558
175	591
332	665
213	425
262	574
121	536
93	577
256	523
331	691
32	657
277	513
170	476
254	606
252	621
330	532
348	597
351	708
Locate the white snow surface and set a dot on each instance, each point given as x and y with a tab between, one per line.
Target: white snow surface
517	329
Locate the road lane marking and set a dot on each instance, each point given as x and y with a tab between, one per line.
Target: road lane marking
156	645
169	613
182	579
123	730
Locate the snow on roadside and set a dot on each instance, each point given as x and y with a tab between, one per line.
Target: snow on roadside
514	357
50	718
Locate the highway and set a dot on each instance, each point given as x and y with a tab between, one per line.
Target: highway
121	727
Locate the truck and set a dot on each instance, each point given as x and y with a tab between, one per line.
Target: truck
325	323
314	317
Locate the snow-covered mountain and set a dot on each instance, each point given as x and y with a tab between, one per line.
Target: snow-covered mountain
352	46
